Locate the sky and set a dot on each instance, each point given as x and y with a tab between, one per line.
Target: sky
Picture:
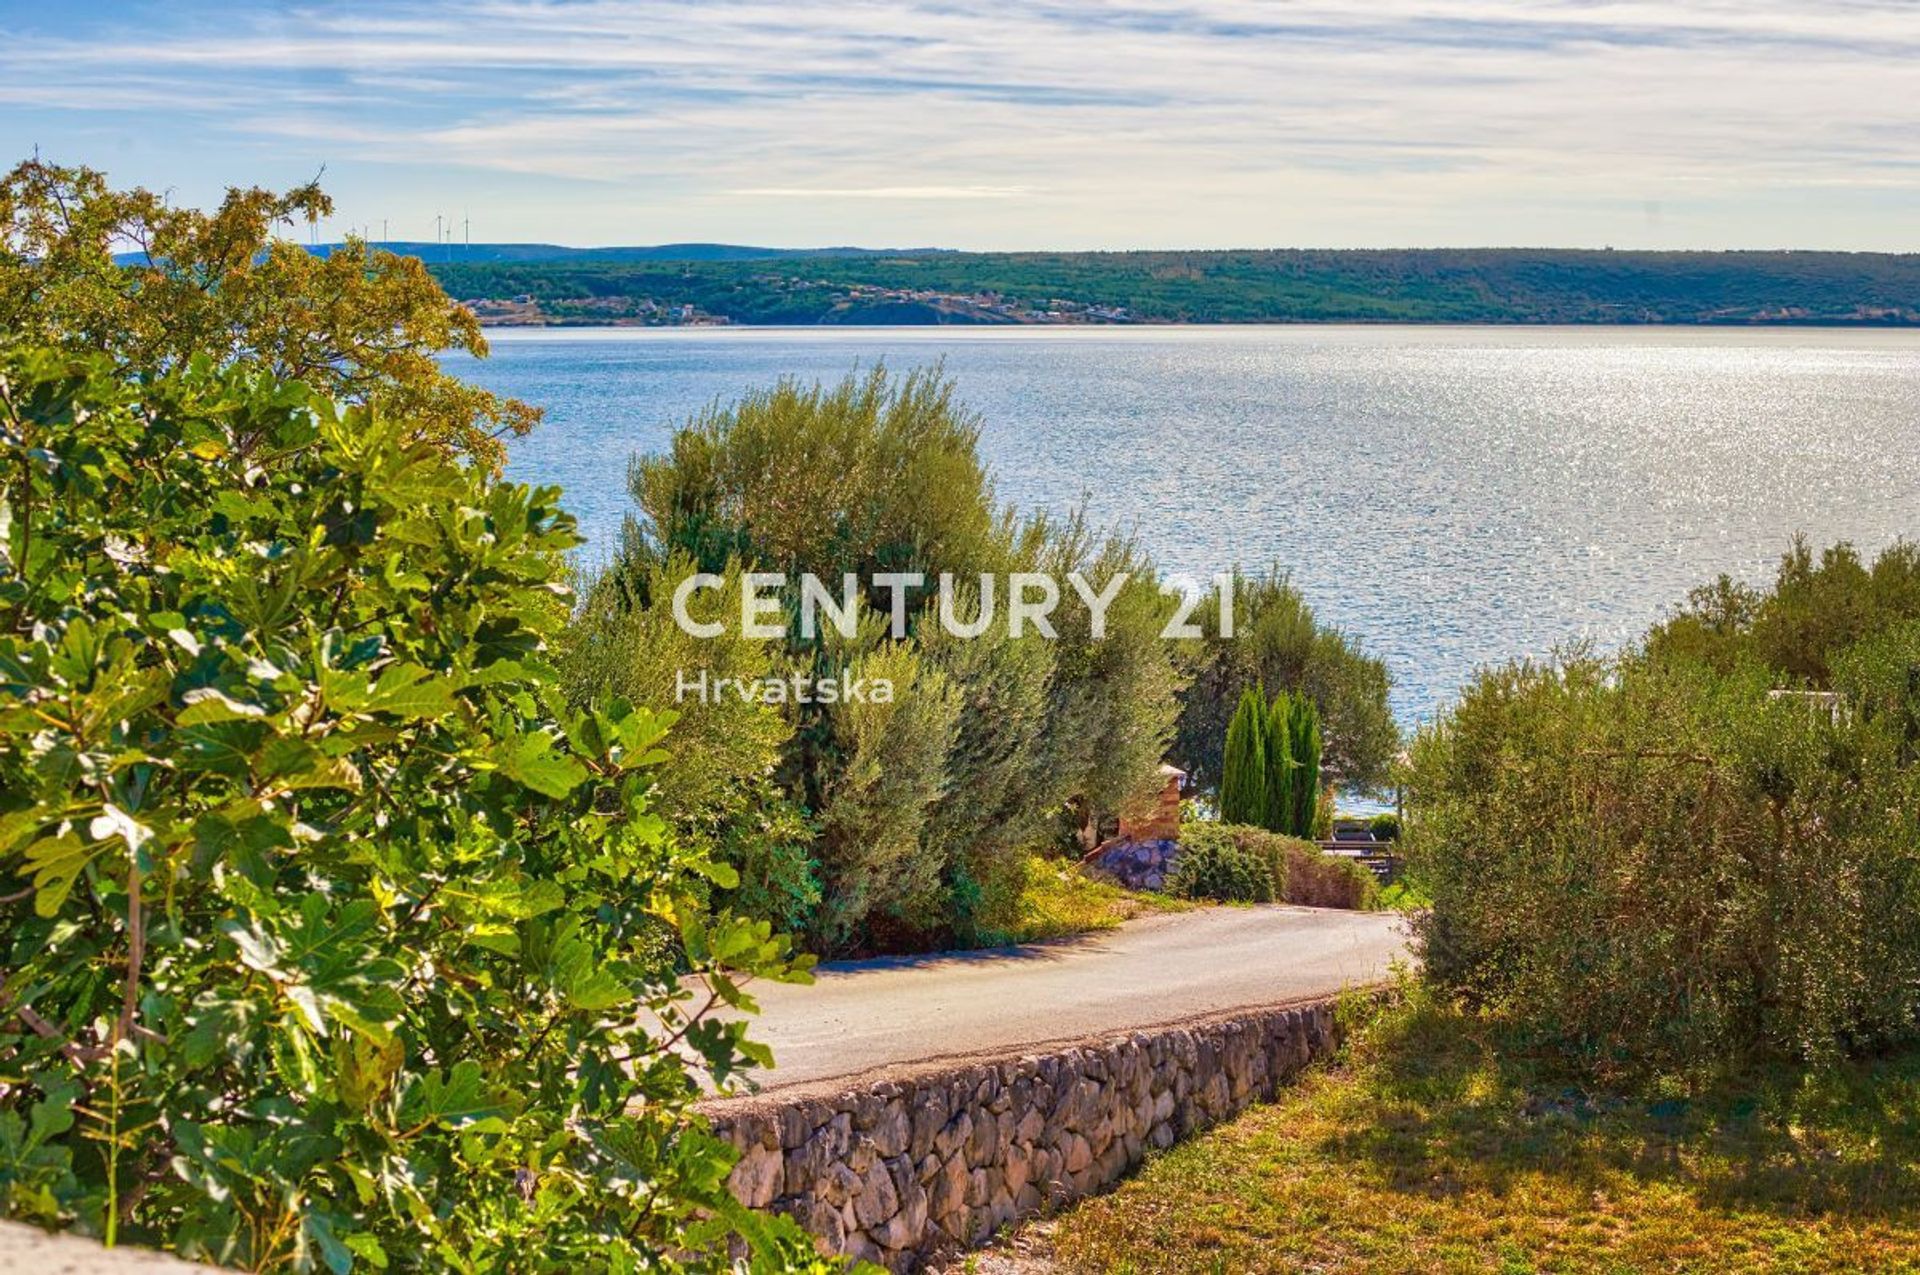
987	124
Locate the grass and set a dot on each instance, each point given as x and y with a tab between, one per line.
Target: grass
1059	900
1426	1149
1404	896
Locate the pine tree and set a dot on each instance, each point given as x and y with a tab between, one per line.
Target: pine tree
1281	772
1243	775
1305	746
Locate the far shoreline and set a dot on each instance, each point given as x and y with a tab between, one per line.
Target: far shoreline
537	331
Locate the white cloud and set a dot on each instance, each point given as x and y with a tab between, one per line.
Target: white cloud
884	192
1070	123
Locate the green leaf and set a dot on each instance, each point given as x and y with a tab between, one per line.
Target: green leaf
367	1247
318	1229
460	1099
207	704
53	1114
55	863
530	760
586	983
724	875
406	691
494	937
243	835
294	764
366	1067
258	949
17	825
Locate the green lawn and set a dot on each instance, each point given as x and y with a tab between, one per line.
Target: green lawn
1421	1150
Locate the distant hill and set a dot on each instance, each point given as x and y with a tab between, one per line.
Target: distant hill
551	284
1452	285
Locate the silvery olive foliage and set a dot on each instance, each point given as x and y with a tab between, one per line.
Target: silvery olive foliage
1652	865
916	815
332	937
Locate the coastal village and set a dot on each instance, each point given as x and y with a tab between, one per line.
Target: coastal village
851	303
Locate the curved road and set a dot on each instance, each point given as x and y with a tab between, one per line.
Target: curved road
902	1012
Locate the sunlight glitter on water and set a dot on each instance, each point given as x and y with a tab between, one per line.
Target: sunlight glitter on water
1453	496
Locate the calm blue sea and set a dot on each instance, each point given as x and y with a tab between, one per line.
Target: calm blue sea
1451	496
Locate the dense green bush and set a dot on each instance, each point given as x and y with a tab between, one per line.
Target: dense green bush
1296	871
1270	776
1214	864
340	939
721	796
1815	610
1652	863
1114	699
1315	879
1384	827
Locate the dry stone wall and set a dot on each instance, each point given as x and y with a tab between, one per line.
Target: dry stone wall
902	1169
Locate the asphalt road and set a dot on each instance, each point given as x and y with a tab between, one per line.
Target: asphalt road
901	1012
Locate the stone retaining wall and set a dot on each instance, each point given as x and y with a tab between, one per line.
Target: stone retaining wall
899	1170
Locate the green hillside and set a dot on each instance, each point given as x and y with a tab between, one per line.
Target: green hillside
1416	286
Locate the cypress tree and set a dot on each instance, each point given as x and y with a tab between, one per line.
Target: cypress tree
1281	771
1306	747
1243	771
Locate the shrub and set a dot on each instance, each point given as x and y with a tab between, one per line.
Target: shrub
720	797
342	939
1652	865
1214	864
1057	898
1384	826
1319	880
1405	895
1114	699
1003	791
1296	870
1815	611
875	473
876	802
1323	816
1276	787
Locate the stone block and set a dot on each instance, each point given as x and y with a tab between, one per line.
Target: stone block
758	1177
874	1201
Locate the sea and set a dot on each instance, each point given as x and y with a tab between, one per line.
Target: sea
1451	497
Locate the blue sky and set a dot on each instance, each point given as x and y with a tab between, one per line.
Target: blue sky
983	124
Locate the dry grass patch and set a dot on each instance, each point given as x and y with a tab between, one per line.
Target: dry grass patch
1058	899
1426	1150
